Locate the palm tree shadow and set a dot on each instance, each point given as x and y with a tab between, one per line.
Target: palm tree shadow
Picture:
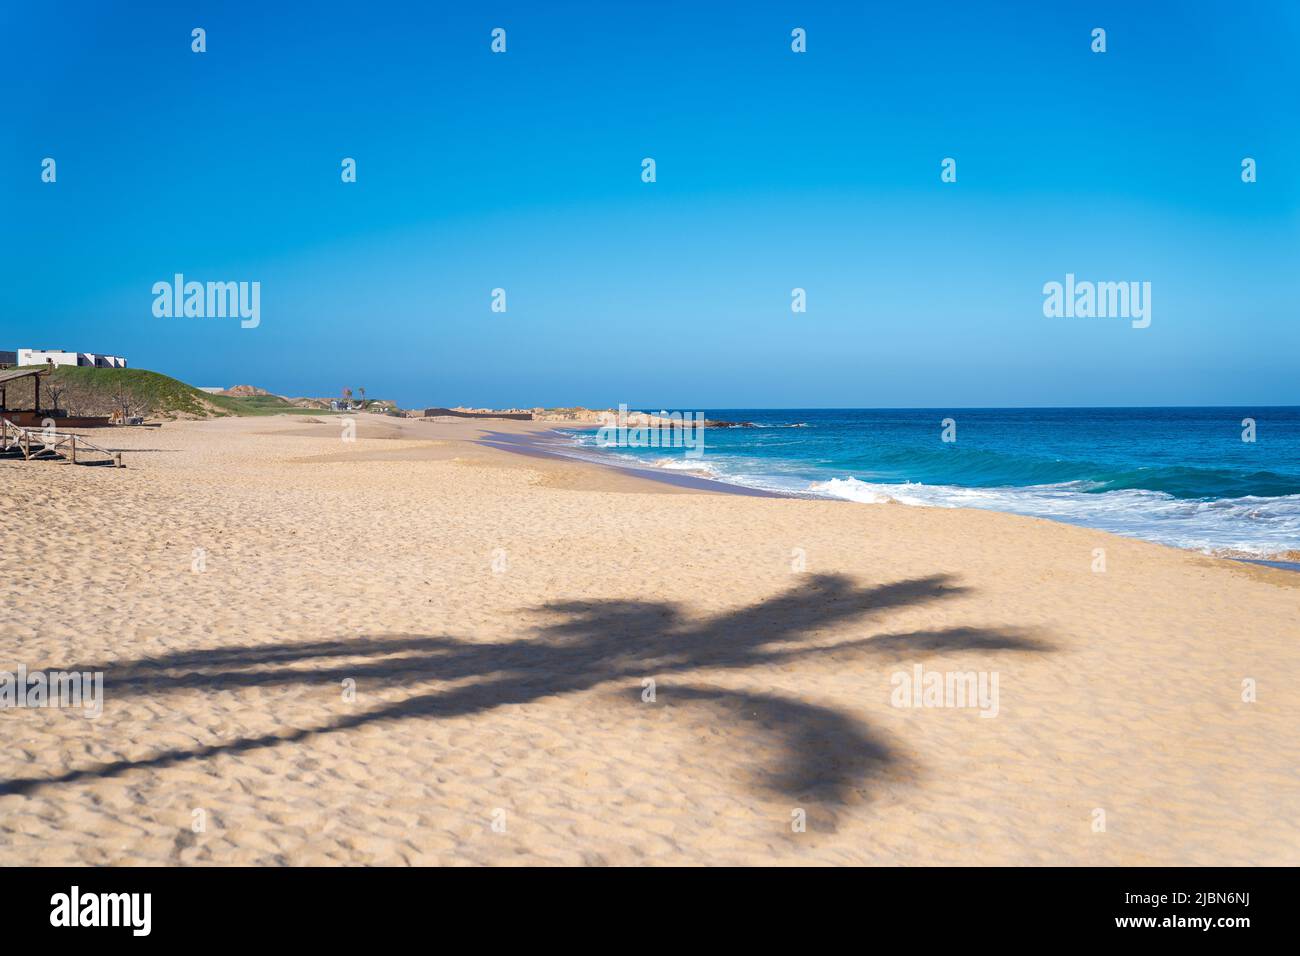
805	750
808	750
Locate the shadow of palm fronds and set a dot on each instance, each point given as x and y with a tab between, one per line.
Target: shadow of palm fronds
808	748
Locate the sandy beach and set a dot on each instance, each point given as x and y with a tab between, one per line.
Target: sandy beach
416	648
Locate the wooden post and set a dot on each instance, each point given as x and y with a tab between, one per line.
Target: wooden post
74	449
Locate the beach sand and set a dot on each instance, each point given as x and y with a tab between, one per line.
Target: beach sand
413	648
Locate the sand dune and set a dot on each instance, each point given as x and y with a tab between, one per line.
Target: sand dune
499	618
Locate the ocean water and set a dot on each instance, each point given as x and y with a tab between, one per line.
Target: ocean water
1179	476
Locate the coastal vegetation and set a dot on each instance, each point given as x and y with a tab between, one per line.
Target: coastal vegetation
85	391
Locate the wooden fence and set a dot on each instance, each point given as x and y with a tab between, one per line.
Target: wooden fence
39	441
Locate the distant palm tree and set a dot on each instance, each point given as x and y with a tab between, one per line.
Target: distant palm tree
363	397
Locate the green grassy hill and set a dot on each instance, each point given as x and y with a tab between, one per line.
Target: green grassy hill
101	391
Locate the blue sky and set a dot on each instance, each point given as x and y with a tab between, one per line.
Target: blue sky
775	170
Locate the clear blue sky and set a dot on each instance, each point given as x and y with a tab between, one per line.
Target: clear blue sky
775	170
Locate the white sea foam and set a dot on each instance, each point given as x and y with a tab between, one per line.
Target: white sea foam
851	489
1251	525
693	466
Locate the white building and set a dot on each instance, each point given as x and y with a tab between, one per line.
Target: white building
60	357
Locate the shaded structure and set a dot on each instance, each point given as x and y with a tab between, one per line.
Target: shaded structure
19	431
10	376
35	416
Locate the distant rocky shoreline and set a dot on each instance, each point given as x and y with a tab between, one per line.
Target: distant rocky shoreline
578	415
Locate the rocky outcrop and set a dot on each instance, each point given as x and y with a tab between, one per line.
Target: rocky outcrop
574	416
608	416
